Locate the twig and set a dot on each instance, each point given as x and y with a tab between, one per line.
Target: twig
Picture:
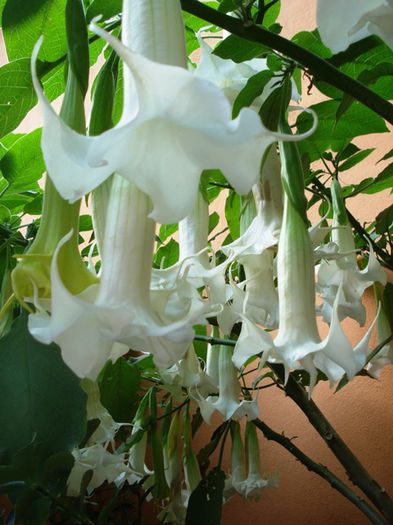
321	471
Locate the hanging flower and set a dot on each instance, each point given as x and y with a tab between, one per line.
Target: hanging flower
107	319
342	24
105	466
174	125
342	271
227	402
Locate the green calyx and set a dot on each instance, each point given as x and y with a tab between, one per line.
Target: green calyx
32	275
339	210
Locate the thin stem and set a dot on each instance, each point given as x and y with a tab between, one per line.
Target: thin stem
321	471
354	469
214	340
322	69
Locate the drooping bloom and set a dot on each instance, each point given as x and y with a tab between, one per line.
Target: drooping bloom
173	126
105	466
246	477
227	402
89	327
342	23
298	343
343	272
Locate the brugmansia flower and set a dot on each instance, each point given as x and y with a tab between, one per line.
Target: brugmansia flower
298	344
226	74
227	402
342	23
384	330
105	466
174	124
246	476
343	272
89	327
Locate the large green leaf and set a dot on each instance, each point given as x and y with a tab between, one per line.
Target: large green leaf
23	165
330	134
41	398
119	384
24	23
205	504
239	49
17	94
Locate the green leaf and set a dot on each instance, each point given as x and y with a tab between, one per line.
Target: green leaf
17	94
387	303
205	503
166	230
23	165
311	41
24	23
214	219
104	8
272	14
253	89
232	214
35	206
359	120
355	159
119	384
384	220
167	254
370	186
238	49
41	398
77	43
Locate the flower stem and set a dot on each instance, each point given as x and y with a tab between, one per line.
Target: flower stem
321	471
322	69
357	474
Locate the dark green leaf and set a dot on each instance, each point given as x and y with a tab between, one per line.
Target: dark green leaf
311	41
24	22
35	206
205	503
17	94
119	383
41	397
238	49
104	8
77	43
387	302
355	159
253	89
23	165
384	220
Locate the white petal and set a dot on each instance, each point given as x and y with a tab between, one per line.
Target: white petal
341	24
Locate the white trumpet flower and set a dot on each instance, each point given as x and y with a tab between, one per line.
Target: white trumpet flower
104	465
89	327
227	402
173	126
340	24
342	271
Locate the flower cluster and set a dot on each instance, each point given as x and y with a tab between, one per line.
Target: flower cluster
176	124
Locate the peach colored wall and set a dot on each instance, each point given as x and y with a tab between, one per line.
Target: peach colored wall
361	412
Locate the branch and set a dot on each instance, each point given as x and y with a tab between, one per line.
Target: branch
354	469
321	471
320	68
